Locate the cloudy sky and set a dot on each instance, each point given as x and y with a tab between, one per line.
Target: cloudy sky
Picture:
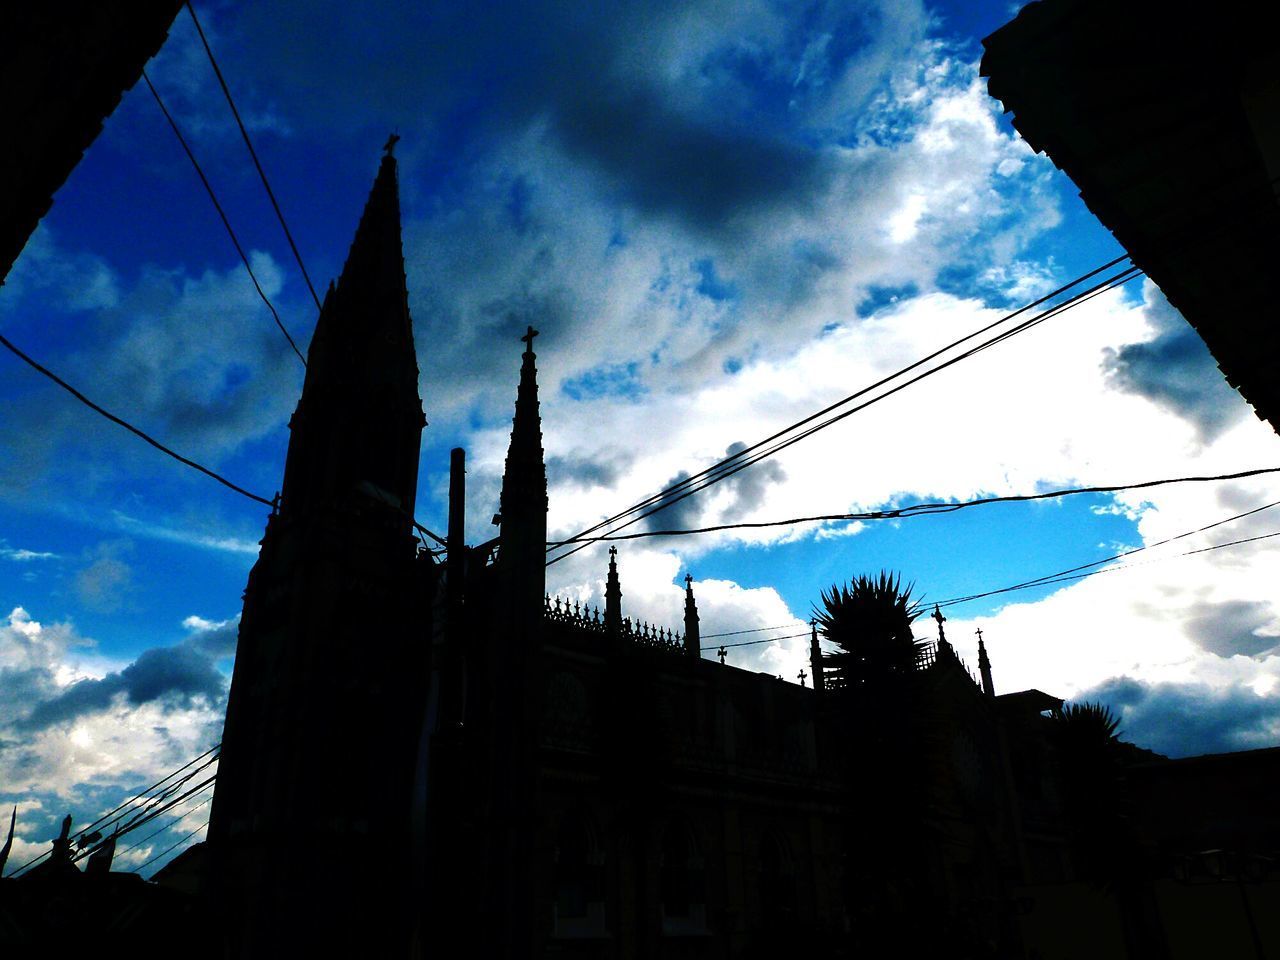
722	217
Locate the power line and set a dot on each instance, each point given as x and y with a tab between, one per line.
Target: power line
1062	576
734	633
1112	282
1144	563
149	812
254	154
9	345
167	826
222	214
108	818
731	465
167	849
748	643
921	509
742	453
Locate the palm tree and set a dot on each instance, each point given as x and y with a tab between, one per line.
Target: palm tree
869	620
878	719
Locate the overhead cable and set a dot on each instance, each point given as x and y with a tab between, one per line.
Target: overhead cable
748	643
226	92
222	215
731	465
839	403
177	843
920	509
9	345
1063	575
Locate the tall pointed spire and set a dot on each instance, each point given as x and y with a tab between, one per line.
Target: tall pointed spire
613	596
338	558
524	483
692	634
984	667
524	492
357	429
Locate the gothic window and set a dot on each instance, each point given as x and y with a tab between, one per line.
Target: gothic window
579	880
683	880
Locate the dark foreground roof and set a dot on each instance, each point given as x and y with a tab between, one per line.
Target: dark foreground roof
1165	116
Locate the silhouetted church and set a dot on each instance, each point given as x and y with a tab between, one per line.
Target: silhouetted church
430	756
420	752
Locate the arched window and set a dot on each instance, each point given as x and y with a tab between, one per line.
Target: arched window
683	879
579	880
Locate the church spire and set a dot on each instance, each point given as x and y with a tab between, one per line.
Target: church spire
984	667
613	596
357	430
524	484
524	487
692	637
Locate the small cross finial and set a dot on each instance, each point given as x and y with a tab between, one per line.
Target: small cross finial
613	552
389	147
722	653
937	615
801	675
688	580
979	633
528	339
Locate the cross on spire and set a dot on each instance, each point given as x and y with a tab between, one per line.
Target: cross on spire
722	653
979	633
942	634
801	675
528	339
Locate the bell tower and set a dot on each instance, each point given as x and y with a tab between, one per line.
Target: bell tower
312	803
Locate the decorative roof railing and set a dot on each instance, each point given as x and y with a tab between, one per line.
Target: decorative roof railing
573	615
582	617
651	637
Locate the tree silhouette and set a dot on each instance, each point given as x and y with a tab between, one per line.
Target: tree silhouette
879	720
869	620
1100	819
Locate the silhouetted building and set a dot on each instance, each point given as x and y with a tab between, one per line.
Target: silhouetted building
63	69
328	693
422	752
1165	115
425	754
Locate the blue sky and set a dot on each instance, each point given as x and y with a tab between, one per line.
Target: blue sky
721	218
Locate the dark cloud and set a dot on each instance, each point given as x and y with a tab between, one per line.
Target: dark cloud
749	485
1187	719
585	471
22	688
1176	371
675	511
699	109
216	642
177	674
1228	628
698	168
